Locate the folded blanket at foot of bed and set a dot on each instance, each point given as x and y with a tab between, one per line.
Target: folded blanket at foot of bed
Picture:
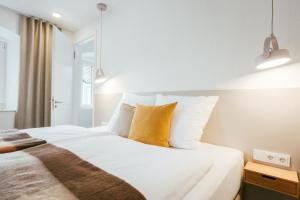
51	172
14	141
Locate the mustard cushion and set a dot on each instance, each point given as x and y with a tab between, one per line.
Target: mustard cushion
151	124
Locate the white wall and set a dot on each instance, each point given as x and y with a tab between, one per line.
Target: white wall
86	32
9	19
7	120
195	44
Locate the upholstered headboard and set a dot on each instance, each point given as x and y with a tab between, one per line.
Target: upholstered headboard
243	119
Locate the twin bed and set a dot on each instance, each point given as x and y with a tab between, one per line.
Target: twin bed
208	172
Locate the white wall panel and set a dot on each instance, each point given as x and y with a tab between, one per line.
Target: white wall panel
196	44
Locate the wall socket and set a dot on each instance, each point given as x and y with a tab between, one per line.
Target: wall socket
275	158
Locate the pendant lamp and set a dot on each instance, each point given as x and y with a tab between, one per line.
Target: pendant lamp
100	77
272	56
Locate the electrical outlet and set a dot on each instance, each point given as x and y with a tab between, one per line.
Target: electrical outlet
283	159
272	157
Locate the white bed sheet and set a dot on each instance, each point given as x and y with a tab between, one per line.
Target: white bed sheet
210	172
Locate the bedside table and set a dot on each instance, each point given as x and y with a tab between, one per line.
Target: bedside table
272	178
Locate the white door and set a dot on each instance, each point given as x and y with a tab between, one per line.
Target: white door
62	73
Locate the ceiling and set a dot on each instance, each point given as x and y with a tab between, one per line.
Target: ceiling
75	13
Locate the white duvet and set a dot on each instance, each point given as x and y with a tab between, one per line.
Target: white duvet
157	172
209	172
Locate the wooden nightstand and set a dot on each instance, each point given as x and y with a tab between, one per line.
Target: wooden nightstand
280	180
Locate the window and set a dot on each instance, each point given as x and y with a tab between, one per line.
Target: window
86	63
9	69
3	47
86	85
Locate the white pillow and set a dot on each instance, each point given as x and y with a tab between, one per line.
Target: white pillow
190	118
123	122
132	100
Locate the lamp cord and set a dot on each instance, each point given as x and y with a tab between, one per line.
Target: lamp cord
100	42
272	20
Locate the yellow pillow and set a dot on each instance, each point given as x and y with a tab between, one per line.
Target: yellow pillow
151	124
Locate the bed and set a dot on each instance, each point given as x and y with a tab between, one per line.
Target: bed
209	172
138	155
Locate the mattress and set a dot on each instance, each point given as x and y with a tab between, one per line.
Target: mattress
209	172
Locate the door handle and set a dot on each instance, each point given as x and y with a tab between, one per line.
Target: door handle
54	103
57	102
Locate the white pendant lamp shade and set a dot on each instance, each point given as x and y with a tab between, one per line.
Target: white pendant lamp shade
272	56
100	77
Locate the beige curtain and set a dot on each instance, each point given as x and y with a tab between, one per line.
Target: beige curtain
35	75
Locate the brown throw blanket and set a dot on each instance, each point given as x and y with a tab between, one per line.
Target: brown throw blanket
50	172
14	141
